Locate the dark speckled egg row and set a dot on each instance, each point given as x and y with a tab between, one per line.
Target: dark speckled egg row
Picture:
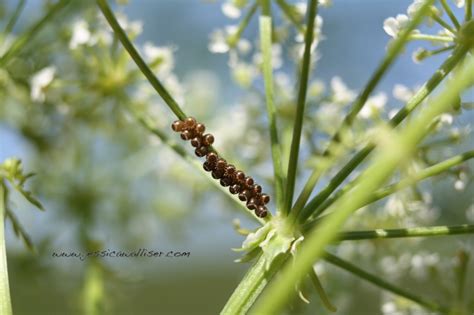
248	191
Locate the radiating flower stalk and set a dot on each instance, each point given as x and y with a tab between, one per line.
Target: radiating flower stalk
297	237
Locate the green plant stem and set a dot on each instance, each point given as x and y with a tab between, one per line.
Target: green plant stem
298	124
234	39
468	10
430	85
431	38
394	50
450	13
421	175
266	46
254	281
28	36
408	232
397	149
5	302
290	14
14	18
178	149
122	36
321	292
360	273
441	22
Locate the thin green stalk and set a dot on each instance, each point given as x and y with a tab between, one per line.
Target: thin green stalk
428	53
441	22
122	36
430	85
468	10
298	124
321	292
5	302
290	14
254	281
14	18
233	40
409	181
360	273
266	46
178	149
28	36
394	50
398	149
450	13
431	38
408	232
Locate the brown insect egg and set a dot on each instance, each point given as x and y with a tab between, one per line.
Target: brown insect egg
234	189
196	142
200	128
201	151
240	176
221	164
249	181
190	123
212	157
230	170
178	125
225	182
261	211
207	166
265	198
257	189
251	205
208	139
186	135
242	197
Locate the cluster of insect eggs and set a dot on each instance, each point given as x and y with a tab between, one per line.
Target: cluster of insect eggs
248	191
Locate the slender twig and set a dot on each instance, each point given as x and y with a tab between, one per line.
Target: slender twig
248	290
444	24
266	46
360	273
456	57
14	18
290	13
122	36
468	12
398	147
234	39
410	180
298	123
5	302
27	36
408	232
450	13
431	38
321	292
394	50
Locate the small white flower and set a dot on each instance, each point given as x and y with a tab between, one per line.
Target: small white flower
402	93
244	46
39	81
373	106
414	7
80	34
341	93
277	60
459	185
393	25
219	39
389	308
162	56
230	10
446	119
459	3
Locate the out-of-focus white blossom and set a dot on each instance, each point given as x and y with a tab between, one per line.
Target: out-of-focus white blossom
134	28
277	60
243	73
393	25
459	3
160	57
219	39
230	10
402	93
40	81
373	106
80	34
341	93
